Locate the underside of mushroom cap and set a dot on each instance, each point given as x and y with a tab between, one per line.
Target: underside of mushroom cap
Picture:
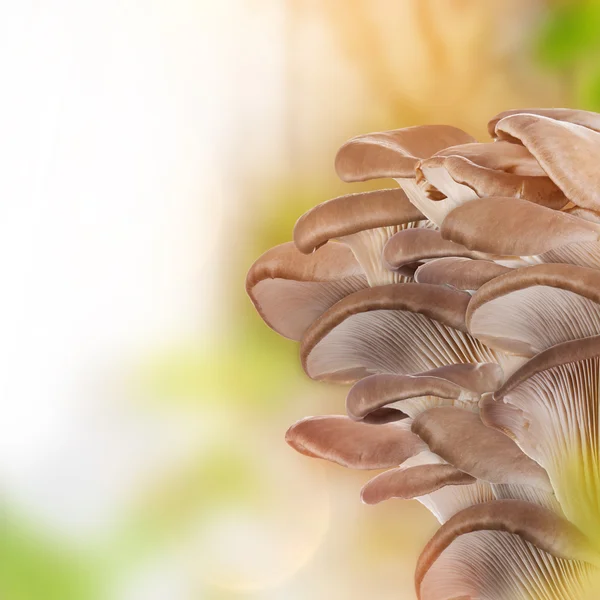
405	328
550	407
290	289
394	153
531	309
535	525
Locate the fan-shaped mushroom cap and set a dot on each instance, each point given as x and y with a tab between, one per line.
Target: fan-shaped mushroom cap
591	120
290	290
550	408
528	310
412	394
363	221
509	226
505	549
494	169
354	445
459	273
565	151
394	153
405	328
461	439
415	245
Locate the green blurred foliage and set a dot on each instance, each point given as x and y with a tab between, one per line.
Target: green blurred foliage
34	566
569	42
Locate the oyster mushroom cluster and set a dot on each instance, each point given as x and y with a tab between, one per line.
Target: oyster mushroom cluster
463	308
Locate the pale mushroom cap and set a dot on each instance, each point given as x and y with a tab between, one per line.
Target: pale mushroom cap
509	226
459	273
460	438
338	439
585	118
567	152
530	309
534	524
290	289
394	153
350	214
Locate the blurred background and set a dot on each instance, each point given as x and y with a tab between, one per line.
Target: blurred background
151	151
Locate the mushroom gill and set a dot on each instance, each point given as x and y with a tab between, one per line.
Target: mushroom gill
464	309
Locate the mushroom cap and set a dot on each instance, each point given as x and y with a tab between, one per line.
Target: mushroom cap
394	153
510	226
565	151
461	439
417	392
408	483
338	439
290	290
351	214
377	330
459	273
495	169
534	524
528	310
415	245
585	118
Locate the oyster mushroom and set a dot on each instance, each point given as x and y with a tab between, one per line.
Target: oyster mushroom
364	222
290	289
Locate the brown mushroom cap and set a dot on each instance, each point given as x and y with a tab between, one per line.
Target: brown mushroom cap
414	245
528	310
509	226
503	549
351	214
412	482
459	273
585	118
394	153
290	290
565	151
409	394
460	438
354	445
404	328
496	169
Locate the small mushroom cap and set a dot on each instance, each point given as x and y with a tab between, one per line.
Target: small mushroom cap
459	273
534	524
350	214
338	439
495	169
394	153
509	226
461	439
565	151
403	328
412	482
530	309
414	245
290	289
585	118
377	391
